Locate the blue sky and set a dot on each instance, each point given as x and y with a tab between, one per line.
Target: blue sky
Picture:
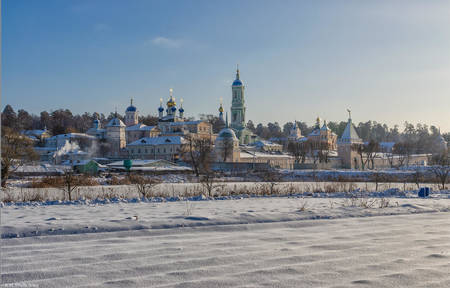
387	60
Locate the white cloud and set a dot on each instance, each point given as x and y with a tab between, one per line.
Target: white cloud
165	42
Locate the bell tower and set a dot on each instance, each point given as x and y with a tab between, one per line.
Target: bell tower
238	103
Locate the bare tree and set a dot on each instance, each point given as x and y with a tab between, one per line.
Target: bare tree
377	178
360	149
16	151
367	154
390	157
70	182
143	184
312	152
323	152
441	169
442	174
371	150
418	177
403	150
208	180
298	150
197	152
189	153
208	175
271	177
227	148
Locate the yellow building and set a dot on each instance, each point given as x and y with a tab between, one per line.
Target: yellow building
322	138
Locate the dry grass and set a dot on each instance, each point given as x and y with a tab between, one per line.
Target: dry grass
114	180
58	181
303	205
47	182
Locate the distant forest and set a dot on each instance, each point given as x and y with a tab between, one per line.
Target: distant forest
64	121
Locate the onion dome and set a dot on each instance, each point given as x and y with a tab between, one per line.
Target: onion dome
221	108
237	82
171	102
317	123
131	108
160	109
181	106
174	108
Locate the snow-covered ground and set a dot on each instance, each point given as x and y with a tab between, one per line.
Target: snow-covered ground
245	242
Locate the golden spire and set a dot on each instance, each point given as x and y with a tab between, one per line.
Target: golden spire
221	107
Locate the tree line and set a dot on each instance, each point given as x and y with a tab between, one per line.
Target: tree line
60	121
64	121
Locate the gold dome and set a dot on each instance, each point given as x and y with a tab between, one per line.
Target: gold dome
171	103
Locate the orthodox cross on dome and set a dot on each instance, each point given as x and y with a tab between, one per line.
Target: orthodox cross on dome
237	71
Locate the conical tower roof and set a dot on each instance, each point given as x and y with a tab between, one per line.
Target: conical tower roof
350	135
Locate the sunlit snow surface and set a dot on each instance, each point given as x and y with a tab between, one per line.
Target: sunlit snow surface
250	242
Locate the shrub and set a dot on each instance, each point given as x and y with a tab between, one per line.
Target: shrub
143	184
47	182
114	180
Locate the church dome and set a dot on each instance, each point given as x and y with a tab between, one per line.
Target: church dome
160	109
131	108
181	109
171	102
226	133
237	82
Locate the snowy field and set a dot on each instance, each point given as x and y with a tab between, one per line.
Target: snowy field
237	242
